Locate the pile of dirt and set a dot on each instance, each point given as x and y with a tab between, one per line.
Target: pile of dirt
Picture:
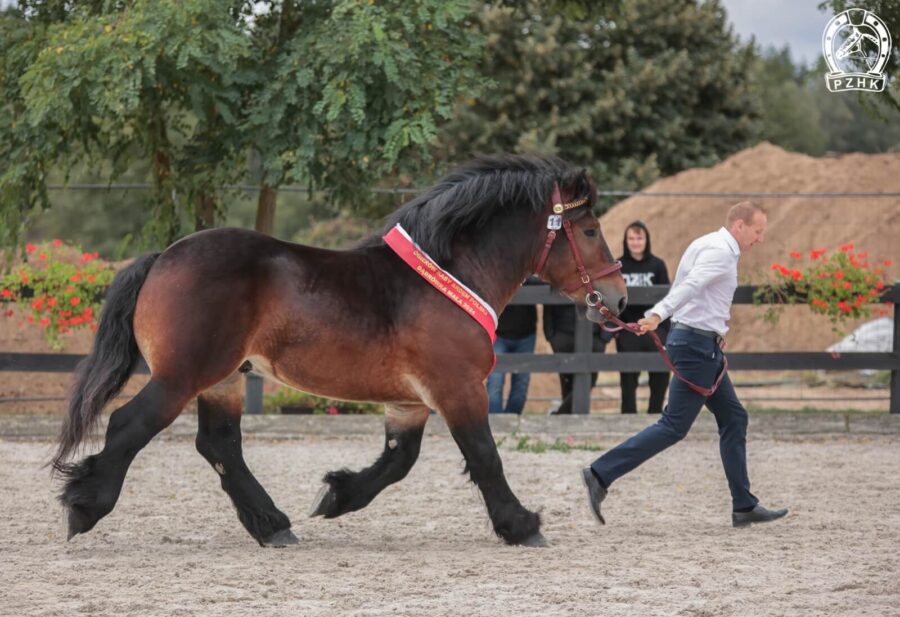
795	223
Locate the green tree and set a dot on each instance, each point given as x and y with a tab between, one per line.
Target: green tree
649	89
353	92
335	95
790	112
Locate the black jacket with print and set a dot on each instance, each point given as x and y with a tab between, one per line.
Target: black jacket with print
649	270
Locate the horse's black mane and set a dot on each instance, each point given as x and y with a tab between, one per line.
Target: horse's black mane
469	197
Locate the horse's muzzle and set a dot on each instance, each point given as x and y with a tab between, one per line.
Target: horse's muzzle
598	304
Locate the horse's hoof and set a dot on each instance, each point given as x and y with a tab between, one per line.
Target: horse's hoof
77	522
280	539
325	503
536	540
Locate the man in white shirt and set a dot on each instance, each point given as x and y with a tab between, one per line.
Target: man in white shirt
699	304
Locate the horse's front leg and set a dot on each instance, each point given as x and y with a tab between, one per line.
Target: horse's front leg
467	417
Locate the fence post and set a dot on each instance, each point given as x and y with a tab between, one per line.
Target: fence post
581	382
895	374
253	393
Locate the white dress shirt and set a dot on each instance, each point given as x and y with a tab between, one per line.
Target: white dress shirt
704	284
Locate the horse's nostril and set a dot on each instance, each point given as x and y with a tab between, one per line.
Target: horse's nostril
623	302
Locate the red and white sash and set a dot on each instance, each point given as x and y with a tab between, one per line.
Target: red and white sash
443	281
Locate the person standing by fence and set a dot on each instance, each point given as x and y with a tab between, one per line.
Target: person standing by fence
559	329
699	303
640	268
516	333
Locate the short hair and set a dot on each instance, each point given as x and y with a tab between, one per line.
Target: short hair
742	211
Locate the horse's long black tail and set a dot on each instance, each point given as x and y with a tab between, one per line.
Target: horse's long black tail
105	371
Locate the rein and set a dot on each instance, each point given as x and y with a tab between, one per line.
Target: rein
593	297
636	329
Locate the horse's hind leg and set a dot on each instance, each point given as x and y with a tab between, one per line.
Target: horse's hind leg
93	485
347	491
466	416
219	441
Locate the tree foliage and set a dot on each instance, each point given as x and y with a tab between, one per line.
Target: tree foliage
646	90
333	94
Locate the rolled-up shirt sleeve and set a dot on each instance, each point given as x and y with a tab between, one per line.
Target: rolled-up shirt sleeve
710	265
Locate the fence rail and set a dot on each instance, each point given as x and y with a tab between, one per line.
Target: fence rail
582	362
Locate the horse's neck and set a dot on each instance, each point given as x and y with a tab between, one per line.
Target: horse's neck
494	274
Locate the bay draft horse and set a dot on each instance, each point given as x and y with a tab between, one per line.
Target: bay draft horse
358	325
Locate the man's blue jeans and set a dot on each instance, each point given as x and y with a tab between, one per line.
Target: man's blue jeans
699	360
518	383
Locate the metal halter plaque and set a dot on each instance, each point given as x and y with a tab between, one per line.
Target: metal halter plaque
554	221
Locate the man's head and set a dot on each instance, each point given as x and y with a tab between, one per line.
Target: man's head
746	221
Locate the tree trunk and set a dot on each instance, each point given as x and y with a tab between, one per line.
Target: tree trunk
204	212
265	209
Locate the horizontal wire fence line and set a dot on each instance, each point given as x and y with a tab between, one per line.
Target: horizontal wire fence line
582	362
415	191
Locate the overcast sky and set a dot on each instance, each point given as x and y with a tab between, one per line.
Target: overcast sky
796	23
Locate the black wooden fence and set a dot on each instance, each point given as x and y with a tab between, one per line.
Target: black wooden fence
582	362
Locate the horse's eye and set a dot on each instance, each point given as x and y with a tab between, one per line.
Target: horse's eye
590	232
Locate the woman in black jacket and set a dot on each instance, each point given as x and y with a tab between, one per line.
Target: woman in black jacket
641	268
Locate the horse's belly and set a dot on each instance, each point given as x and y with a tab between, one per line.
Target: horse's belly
352	380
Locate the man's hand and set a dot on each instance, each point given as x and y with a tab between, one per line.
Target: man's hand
648	324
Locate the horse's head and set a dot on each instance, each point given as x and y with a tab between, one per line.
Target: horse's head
580	264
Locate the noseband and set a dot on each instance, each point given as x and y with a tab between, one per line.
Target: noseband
554	223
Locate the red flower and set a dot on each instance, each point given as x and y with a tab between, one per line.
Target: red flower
57	242
23	276
30	248
333	411
887	262
69	288
37	304
51	302
44	321
93	327
816	253
43	256
847	247
75	301
879	285
91	278
846	308
6	293
75	278
797	275
839	274
9	313
796	254
86	257
847	285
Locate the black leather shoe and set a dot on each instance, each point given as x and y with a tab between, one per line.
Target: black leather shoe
596	493
758	514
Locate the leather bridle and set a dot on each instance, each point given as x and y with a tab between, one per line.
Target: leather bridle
554	223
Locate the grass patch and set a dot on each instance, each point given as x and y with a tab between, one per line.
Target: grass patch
538	446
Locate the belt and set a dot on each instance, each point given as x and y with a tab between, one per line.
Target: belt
707	333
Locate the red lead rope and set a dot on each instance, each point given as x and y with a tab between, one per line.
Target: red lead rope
636	329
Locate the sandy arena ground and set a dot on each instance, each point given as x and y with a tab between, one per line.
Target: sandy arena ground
173	546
